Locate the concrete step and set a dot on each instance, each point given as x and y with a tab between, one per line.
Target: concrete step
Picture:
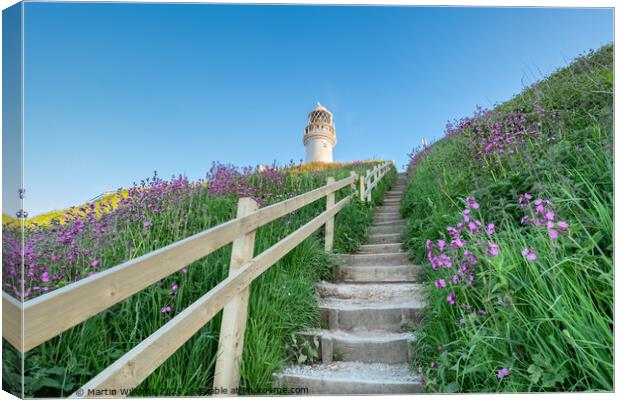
393	221
371	346
350	378
388	209
384	238
389	221
380	248
383	216
383	229
395	318
386	259
392	273
369	293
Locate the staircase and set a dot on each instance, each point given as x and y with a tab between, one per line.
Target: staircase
365	345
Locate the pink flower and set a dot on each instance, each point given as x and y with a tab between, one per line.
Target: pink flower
529	253
490	229
459	242
166	310
471	203
95	263
502	373
562	225
493	249
549	215
45	277
553	234
451	298
440	283
147	224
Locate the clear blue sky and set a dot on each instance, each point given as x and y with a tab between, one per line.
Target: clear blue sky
116	91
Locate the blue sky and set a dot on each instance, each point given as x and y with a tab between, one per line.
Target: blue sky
116	91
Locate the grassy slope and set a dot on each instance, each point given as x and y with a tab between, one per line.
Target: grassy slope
282	302
549	321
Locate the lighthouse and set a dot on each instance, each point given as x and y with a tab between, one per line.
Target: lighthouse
320	135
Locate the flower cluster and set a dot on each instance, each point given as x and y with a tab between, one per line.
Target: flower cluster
84	240
495	134
468	240
541	215
417	155
265	184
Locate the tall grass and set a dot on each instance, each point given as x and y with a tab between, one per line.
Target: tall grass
522	324
282	300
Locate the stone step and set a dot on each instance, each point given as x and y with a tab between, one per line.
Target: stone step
346	377
393	318
370	293
385	259
384	238
390	222
380	248
391	273
371	346
387	210
383	229
389	216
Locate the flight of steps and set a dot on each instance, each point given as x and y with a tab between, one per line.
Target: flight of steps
365	345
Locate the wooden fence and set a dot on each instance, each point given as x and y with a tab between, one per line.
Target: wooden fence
29	324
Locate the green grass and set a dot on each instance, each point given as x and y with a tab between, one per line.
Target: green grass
282	301
549	322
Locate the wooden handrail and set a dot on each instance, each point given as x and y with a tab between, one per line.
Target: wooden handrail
12	320
48	315
129	370
381	171
51	314
371	179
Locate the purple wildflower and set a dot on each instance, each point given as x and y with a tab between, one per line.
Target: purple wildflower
562	225
490	229
502	373
530	254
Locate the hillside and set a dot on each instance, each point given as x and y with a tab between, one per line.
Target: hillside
511	215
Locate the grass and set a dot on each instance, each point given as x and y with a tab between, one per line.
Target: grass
549	322
282	300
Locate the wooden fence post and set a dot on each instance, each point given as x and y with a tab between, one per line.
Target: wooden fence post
369	197
329	225
235	312
354	175
363	188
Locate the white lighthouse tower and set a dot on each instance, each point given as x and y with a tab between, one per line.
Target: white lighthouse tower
320	135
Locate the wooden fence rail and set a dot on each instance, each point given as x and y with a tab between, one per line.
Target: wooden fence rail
36	321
